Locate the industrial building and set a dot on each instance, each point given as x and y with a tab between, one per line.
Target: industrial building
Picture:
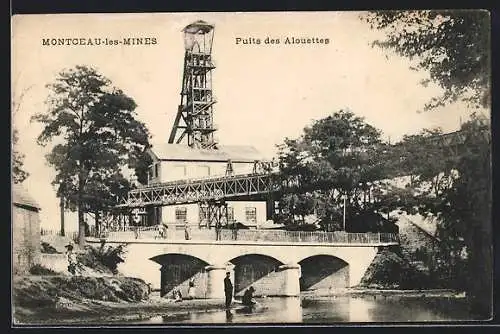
192	152
176	162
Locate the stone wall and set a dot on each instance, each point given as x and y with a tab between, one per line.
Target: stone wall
26	238
413	237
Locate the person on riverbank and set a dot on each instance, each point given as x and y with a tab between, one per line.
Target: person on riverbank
71	256
177	296
191	290
228	289
247	299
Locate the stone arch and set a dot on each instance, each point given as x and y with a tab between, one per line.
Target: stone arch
234	252
253	269
323	272
178	270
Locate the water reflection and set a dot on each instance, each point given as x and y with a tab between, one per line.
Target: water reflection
327	310
229	316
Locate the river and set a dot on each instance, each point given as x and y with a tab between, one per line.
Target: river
328	310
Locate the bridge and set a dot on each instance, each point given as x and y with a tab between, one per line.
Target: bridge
264	259
233	187
200	190
279	263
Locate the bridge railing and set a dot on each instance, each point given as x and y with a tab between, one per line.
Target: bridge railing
177	232
308	237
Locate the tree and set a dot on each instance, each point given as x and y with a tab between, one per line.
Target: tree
452	45
454	186
338	155
97	139
466	218
18	172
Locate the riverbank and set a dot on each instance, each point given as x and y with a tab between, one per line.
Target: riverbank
92	312
77	308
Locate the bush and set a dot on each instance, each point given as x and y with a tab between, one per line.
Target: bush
38	269
35	294
135	289
38	292
390	269
48	249
102	259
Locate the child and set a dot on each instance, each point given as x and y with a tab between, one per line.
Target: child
177	296
71	258
191	290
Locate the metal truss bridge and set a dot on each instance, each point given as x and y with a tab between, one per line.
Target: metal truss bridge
233	187
202	190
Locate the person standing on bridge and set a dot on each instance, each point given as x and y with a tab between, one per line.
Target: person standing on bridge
137	221
218	227
186	230
234	227
228	289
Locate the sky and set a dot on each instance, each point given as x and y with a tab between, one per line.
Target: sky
264	92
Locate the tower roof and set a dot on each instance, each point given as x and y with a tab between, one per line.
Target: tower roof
197	27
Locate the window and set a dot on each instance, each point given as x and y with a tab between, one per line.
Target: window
180	215
230	214
251	214
156	174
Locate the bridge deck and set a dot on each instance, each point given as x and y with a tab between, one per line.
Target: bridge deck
266	237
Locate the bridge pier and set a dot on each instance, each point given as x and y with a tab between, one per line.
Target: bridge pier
215	280
291	279
359	264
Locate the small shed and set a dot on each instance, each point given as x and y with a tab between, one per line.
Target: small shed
25	230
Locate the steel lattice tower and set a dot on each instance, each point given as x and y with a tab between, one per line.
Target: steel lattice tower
194	120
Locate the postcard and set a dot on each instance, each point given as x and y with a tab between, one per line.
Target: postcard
251	168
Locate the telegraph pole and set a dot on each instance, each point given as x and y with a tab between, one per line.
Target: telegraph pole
61	206
345	198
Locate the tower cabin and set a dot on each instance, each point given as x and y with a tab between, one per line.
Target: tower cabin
176	162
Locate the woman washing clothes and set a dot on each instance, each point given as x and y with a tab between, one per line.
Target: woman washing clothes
247	299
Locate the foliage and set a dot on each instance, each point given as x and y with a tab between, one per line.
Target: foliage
337	156
452	45
46	291
38	269
97	137
390	270
48	249
18	172
453	184
103	258
467	217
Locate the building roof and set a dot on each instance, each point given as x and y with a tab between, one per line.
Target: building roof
21	197
180	152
